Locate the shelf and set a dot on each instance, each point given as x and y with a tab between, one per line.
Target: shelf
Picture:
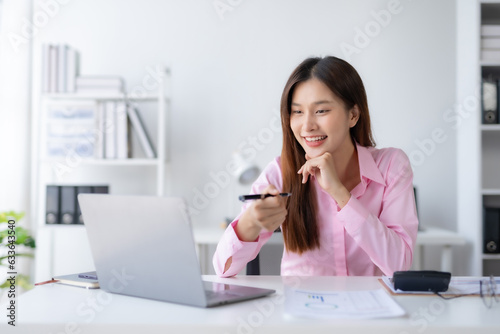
107	162
491	192
81	96
490	63
490	127
63	226
491	256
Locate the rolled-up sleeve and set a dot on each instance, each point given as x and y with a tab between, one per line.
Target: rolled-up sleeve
241	251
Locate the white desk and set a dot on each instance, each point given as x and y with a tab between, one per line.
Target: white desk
60	309
205	237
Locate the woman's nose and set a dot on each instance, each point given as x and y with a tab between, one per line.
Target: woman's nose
309	122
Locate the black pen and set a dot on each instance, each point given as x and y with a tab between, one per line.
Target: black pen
244	198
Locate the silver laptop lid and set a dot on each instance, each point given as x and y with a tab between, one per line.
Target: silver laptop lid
143	246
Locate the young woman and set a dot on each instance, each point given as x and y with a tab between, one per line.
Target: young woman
352	208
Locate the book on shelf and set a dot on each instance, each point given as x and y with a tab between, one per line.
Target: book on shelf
140	131
60	67
490	55
99	130
113	139
52	64
109	130
490	30
99	85
122	133
490	43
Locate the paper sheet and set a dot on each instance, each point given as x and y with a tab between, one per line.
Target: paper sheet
341	304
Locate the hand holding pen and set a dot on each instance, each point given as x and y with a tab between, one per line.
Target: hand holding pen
268	213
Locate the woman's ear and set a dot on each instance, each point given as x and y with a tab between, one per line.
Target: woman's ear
353	116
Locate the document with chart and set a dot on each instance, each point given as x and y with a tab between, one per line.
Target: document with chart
341	304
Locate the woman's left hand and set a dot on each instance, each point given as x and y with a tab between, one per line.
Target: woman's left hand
323	169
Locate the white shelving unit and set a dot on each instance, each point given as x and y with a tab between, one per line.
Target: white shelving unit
478	145
64	248
490	141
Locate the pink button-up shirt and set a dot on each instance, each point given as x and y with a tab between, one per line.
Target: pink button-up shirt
373	234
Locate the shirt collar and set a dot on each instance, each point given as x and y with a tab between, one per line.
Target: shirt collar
368	169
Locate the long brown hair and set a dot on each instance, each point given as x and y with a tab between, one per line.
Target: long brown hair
300	230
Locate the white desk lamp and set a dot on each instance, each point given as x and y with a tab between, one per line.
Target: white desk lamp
245	171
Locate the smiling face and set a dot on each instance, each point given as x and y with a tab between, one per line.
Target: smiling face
319	119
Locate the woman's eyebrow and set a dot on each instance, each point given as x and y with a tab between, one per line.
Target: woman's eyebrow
316	103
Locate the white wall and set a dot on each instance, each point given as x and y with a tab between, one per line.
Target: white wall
15	97
228	71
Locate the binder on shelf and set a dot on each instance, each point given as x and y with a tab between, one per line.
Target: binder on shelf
68	205
491	230
52	205
62	202
100	189
80	190
490	101
140	131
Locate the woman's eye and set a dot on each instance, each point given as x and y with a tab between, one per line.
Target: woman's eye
296	112
321	111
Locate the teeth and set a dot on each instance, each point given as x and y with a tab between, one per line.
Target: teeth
315	138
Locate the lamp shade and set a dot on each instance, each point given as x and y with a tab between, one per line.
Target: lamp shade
245	171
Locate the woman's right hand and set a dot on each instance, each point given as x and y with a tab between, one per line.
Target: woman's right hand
268	213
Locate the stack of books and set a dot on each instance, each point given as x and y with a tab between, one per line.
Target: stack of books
70	130
490	42
60	67
101	130
99	85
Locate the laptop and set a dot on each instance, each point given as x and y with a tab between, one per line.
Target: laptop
143	246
